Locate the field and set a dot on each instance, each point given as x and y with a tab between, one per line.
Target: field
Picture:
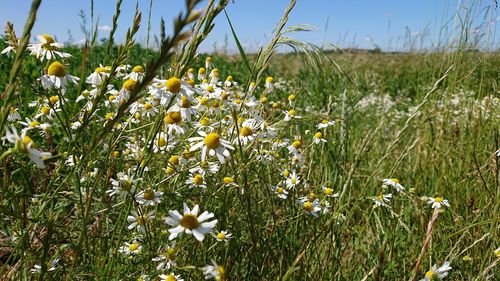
121	162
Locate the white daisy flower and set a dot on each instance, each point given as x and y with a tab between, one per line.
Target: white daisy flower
149	197
51	266
196	180
438	202
292	180
329	192
136	74
280	192
310	207
318	138
130	248
139	221
394	183
189	222
212	144
325	123
25	144
98	76
170	277
436	273
214	271
247	132
381	200
57	77
291	114
47	48
166	258
222	236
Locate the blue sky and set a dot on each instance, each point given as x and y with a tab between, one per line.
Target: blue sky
355	23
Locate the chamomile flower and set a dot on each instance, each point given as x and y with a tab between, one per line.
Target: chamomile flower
139	221
129	249
291	114
57	77
166	258
127	88
170	277
196	180
34	124
202	73
149	197
190	223
124	183
14	114
394	183
329	192
98	76
136	74
310	207
497	252
325	123
436	273
47	48
381	200
173	122
318	138
295	147
292	180
25	145
438	202
222	236
247	132
280	192
214	271
229	81
229	182
11	47
51	266
212	144
269	84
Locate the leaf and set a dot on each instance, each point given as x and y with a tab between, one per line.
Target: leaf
240	49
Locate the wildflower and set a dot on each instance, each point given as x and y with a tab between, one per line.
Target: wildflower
214	271
229	81
166	258
13	114
136	74
291	114
294	147
139	221
212	144
280	192
329	192
438	202
381	200
47	48
202	73
133	248
98	76
497	252
223	236
149	197
247	132
325	124
190	223
394	183
26	145
196	181
170	277
318	138
11	47
269	84
292	180
310	207
50	267
173	121
124	183
436	273
127	88
57	77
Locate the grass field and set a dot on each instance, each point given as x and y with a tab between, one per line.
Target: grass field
125	163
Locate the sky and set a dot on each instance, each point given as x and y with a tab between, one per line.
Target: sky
388	24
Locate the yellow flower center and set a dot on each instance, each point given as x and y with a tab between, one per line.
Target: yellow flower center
308	206
174	85
148	106
149	194
204	101
116	153
296	144
198	179
286	173
129	85
222	273
170	170
204	121
45	110
430	274
54	99
161	142
328	191
246	131
291	112
229	78
185	102
138	69
48	40
34	124
141	220
27	140
380	197
221	235
210	89
111	98
224	96
190	82
263	100
280	190
291	97
395	180
269	79
212	140
101	69
439	199
324	121
189	221
202	71
56	69
170	277
173	117
138	116
133	247
174	160
187	154
109	115
276	105
318	135
311	197
227	180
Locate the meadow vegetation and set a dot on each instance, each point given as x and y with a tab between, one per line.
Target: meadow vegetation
121	162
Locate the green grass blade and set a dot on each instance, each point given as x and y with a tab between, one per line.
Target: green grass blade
240	49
